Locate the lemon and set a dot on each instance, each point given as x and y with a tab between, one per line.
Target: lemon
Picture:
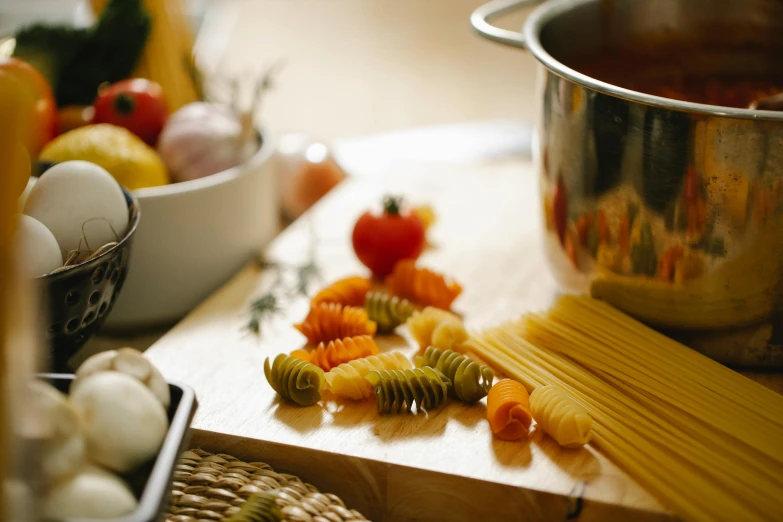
131	161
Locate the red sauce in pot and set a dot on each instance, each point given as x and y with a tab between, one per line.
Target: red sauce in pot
682	74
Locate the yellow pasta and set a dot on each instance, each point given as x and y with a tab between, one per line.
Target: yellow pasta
560	417
348	379
449	335
702	438
422	325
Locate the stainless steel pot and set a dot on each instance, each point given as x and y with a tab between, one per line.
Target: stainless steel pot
670	210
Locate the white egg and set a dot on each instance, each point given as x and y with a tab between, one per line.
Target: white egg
37	248
27	189
81	204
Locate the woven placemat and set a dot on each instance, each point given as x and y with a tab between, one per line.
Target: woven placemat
212	487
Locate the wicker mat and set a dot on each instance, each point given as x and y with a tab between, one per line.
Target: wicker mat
211	487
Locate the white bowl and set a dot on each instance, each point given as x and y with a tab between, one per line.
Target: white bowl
192	237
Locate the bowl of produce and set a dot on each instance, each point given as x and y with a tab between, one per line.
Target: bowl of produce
74	238
660	155
125	93
108	438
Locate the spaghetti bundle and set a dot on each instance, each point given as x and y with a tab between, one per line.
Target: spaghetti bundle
702	438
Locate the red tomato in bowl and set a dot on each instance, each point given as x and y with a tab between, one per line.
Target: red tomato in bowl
43	124
380	240
136	104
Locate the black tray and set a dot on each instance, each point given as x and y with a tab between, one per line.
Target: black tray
152	482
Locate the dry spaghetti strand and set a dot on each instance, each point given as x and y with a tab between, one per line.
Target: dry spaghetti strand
700	437
422	285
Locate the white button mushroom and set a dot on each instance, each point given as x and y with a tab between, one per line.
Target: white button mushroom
56	425
92	493
123	422
129	361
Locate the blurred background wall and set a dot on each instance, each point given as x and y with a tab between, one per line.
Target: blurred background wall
353	67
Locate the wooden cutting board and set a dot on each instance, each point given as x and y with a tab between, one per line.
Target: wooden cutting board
445	465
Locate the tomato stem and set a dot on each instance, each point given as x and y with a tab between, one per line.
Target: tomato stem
124	104
392	205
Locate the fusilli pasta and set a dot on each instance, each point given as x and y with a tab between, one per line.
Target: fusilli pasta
426	387
470	381
422	325
259	507
347	292
338	351
348	379
329	321
508	410
561	417
387	311
295	380
422	285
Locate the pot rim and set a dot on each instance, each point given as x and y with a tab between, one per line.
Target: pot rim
551	9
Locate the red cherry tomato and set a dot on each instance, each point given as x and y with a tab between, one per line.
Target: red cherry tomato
43	126
136	104
380	240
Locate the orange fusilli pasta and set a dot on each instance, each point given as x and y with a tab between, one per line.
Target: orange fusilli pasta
339	351
422	285
508	410
329	321
350	291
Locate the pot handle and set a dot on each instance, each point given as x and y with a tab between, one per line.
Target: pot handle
480	18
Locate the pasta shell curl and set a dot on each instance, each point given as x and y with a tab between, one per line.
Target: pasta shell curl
508	410
561	417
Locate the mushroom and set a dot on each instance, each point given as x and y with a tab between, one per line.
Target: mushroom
56	425
123	422
92	493
131	362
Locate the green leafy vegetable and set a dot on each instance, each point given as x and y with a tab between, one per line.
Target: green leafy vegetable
78	60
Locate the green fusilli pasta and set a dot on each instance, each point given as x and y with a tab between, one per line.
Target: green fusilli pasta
259	507
295	380
386	310
426	387
471	381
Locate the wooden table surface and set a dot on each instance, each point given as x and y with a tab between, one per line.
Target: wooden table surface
488	238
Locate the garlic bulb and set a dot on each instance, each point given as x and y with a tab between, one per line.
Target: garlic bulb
131	362
203	138
92	493
58	428
123	422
